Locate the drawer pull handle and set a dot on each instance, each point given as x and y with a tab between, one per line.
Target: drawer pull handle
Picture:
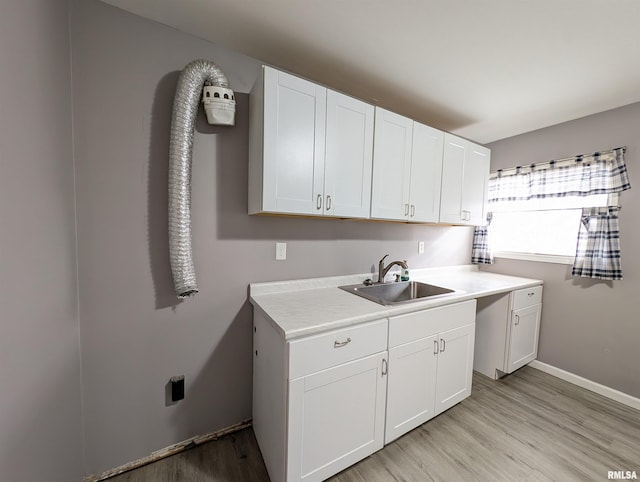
530	294
340	344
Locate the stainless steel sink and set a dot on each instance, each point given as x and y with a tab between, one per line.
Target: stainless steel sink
395	293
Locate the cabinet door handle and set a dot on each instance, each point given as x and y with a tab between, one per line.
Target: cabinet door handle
385	367
530	294
328	203
444	345
406	209
319	202
413	210
435	347
340	344
517	320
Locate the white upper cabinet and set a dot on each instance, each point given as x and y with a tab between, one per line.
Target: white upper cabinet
426	174
316	152
391	165
310	149
287	146
349	157
465	177
407	166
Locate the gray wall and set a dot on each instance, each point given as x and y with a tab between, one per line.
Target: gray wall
589	327
134	334
40	432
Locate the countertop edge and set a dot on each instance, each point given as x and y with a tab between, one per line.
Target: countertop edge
377	311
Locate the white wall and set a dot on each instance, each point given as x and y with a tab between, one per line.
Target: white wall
134	334
40	432
589	327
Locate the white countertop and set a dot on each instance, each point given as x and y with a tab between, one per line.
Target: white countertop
305	307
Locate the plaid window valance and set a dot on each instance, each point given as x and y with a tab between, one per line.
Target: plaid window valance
598	173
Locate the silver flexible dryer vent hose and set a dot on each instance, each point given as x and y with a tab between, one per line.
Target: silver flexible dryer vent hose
185	109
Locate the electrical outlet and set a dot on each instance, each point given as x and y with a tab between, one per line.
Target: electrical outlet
281	251
177	388
421	247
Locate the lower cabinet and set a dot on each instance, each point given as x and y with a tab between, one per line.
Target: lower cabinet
336	418
322	403
430	364
523	346
455	366
411	386
507	328
318	401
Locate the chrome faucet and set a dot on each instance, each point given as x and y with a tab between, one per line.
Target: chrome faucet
382	271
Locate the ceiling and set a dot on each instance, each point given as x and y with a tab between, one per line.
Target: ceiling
483	69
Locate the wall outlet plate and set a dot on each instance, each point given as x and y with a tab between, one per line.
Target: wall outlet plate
177	388
281	251
421	247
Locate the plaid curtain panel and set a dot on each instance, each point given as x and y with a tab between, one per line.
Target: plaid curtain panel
599	173
480	250
598	250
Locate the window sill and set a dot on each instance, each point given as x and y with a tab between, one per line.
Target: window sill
541	258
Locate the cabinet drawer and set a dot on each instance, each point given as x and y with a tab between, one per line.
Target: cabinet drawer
315	353
527	297
413	326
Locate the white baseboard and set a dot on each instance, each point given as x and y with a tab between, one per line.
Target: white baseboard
603	390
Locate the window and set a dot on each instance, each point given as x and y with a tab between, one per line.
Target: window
541	210
540	229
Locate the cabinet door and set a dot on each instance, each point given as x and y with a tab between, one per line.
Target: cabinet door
391	166
336	417
294	142
411	386
455	151
455	366
426	174
465	177
349	156
523	339
475	184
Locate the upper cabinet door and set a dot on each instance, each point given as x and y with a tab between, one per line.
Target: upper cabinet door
465	175
476	184
349	156
455	151
426	174
391	166
294	143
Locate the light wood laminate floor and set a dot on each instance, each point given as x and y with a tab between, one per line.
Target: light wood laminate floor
529	426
